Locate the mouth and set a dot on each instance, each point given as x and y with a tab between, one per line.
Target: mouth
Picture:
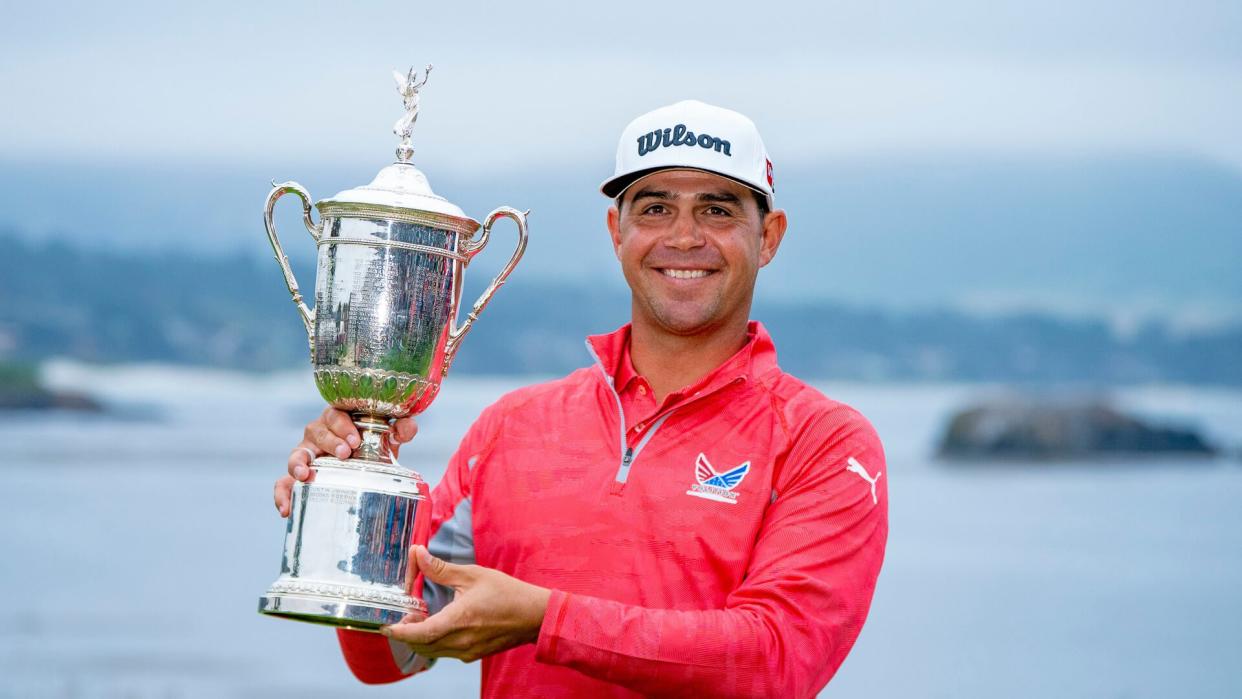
675	273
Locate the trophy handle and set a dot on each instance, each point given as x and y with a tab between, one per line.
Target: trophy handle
278	191
474	248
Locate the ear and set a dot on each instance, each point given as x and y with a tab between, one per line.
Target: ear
614	230
774	225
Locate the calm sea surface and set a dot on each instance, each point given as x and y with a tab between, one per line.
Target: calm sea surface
135	546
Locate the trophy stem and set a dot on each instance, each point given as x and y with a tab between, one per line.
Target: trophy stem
374	446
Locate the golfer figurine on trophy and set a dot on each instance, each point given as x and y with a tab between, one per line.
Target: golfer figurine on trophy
383	334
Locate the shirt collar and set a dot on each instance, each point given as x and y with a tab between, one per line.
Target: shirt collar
625	371
756	358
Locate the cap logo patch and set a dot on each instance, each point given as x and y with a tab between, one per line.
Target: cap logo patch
680	136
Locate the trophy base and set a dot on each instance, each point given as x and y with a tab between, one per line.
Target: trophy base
346	552
326	611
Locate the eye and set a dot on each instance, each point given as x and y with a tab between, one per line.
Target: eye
718	211
654	209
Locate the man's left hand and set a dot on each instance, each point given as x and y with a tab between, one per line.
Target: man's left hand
490	612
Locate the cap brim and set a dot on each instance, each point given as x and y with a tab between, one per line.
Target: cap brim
616	186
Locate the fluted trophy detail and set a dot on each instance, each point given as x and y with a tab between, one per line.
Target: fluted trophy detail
383	333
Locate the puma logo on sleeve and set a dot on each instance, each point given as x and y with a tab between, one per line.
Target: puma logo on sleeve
862	472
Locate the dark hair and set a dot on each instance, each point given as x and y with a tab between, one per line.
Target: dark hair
760	200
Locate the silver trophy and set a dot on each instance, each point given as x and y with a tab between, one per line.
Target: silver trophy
383	334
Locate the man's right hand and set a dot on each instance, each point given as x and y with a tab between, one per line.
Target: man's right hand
334	433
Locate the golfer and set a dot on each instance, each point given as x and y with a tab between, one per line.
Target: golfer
679	516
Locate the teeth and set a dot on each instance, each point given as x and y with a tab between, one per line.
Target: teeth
685	273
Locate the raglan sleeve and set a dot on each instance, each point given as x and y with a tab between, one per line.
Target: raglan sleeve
376	659
787	628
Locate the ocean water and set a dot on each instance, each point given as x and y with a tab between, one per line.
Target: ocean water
135	546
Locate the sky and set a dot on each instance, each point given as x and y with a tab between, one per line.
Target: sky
974	153
552	83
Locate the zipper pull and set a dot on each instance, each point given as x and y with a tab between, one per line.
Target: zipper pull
623	472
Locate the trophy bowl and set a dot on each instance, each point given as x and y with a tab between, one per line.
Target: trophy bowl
383	333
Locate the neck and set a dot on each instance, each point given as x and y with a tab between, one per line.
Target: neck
670	362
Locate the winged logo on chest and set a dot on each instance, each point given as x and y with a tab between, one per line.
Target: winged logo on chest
714	485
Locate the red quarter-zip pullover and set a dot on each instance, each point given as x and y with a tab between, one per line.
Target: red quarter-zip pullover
725	542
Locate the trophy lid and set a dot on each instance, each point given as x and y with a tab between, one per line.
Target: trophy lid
398	186
401	189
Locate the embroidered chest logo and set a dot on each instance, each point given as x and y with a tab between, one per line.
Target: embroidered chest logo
714	485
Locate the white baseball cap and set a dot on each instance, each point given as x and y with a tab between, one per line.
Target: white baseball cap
694	135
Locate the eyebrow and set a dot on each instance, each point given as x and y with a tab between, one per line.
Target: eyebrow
719	197
722	197
651	194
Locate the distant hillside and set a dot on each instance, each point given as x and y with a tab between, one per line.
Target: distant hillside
1095	235
104	306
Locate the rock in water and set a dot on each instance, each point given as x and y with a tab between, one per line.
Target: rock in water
1036	428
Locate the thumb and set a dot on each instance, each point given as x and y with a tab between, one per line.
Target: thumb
439	571
403	429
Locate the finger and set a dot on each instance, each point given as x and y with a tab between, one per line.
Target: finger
326	441
300	461
282	494
412	617
342	425
411	571
426	632
438	570
463	644
404	429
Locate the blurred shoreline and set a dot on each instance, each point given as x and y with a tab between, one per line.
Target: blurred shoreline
153	393
234	312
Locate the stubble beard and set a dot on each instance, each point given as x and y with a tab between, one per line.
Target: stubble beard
700	319
680	318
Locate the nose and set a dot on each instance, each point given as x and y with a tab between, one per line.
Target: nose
684	233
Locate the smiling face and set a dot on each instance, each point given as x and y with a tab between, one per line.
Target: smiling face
691	244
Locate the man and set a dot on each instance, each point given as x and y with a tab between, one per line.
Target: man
681	516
